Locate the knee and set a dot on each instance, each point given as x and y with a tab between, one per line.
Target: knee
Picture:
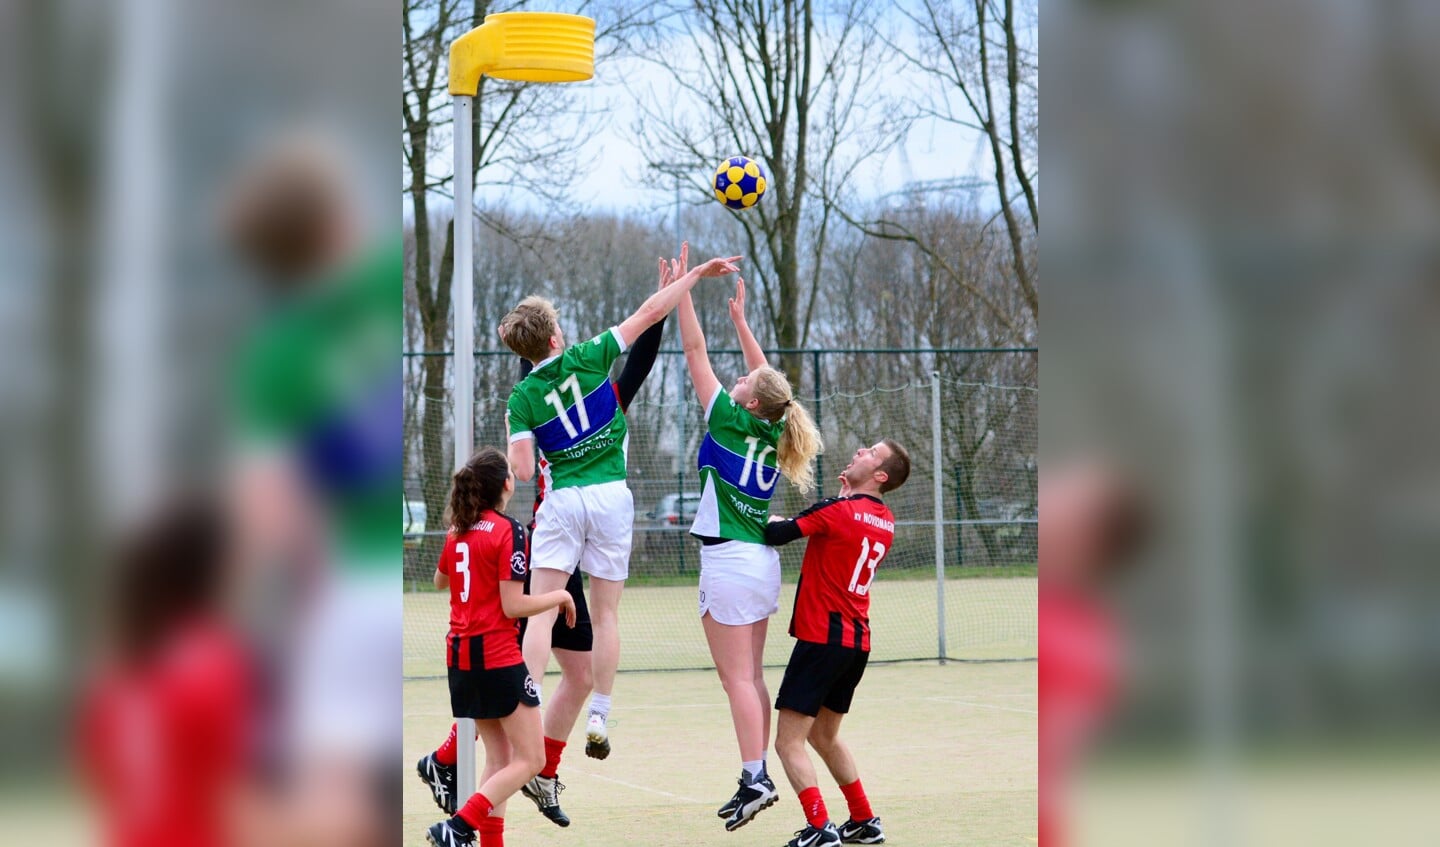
584	676
789	745
821	742
533	760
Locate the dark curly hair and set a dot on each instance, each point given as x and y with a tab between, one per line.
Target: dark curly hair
478	486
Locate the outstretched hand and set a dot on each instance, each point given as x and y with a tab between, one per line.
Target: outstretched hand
666	276
719	267
737	303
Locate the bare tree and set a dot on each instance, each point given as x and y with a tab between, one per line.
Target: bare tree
985	74
527	135
794	85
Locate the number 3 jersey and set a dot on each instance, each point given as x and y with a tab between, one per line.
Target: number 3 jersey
569	407
477	560
738	472
849	537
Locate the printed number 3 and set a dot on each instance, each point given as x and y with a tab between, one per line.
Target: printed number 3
553	398
463	566
861	564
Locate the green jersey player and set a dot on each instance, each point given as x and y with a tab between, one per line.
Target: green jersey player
756	431
567	409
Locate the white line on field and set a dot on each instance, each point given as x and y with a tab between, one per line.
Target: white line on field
638	787
660	707
979	705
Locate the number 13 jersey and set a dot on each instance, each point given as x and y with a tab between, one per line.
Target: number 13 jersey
849	537
569	407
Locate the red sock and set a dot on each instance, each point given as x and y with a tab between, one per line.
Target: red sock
814	807
476	810
492	832
859	804
445	755
553	749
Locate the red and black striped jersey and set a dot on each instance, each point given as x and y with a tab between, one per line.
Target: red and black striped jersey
492	551
849	537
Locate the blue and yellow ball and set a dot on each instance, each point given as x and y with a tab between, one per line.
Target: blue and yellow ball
739	182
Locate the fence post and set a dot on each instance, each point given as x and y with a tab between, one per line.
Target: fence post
463	325
819	457
939	479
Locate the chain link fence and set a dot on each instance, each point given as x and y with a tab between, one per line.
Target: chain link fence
964	592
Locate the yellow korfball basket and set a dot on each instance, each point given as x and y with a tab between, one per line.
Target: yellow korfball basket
526	47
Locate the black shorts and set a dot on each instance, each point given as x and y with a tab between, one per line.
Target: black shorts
821	675
493	693
580	638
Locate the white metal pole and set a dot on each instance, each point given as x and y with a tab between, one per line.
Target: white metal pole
939	515
462	294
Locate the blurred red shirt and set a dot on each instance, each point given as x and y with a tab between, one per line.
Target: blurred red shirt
1079	678
163	742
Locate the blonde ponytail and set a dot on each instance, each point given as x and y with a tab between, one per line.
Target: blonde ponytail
799	445
800	440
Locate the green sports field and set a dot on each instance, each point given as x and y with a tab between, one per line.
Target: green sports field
947	752
947	755
985	618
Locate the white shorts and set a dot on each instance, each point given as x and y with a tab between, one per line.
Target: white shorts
342	683
739	582
588	525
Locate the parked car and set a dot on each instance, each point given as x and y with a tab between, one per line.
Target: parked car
676	509
412	522
664	534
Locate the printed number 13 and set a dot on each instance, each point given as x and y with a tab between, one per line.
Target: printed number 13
861	564
571	382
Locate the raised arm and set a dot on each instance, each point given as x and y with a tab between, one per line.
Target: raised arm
697	358
664	301
754	356
638	363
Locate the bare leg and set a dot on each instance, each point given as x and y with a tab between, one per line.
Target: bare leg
757	647
563	707
604	621
825	738
521	728
790	745
497	755
732	648
536	648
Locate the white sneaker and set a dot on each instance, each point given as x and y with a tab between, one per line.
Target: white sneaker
597	738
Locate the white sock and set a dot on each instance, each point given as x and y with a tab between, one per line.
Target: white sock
753	770
600	705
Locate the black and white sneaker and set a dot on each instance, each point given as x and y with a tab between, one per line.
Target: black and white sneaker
545	792
728	809
451	833
812	837
862	832
749	801
441	780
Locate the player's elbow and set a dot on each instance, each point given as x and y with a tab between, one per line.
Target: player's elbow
442	581
523	473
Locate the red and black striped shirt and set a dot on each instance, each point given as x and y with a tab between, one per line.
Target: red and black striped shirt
492	551
849	537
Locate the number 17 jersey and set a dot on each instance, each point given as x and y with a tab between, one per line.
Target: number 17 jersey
568	405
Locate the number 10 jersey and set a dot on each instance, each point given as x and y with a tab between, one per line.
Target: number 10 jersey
738	472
